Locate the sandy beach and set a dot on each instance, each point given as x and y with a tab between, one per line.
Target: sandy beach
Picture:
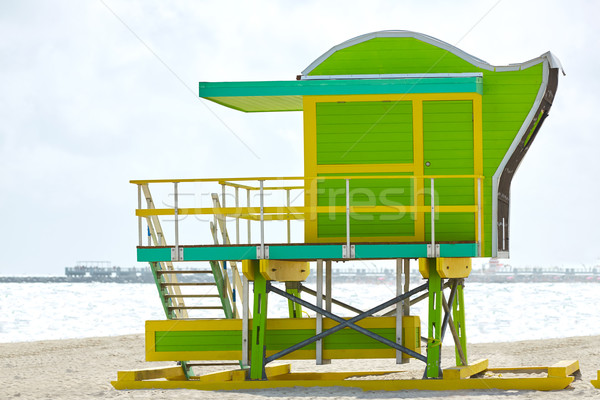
83	368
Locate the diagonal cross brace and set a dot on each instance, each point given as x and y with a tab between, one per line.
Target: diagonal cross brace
345	323
450	303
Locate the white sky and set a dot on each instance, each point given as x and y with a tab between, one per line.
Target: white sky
85	107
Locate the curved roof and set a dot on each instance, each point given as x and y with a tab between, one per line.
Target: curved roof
477	62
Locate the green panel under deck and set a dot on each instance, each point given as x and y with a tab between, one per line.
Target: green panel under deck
198	340
276	339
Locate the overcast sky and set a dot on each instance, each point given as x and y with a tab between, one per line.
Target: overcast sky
93	94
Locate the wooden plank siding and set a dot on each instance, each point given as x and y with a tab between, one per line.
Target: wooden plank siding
507	99
365	132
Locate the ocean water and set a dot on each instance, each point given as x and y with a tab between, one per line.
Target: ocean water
494	312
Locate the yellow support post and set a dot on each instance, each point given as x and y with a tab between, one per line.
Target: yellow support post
596	382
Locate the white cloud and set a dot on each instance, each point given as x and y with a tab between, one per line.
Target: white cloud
85	107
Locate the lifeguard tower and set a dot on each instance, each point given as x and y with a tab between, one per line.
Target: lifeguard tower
410	146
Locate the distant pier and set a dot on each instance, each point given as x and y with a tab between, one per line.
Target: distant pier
90	271
98	272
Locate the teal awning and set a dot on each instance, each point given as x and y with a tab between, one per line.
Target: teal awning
287	95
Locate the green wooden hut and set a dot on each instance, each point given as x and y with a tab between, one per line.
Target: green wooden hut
405	109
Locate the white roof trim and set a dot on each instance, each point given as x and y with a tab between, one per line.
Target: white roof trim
496	178
549	57
394	76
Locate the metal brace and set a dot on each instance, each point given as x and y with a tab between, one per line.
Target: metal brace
175	256
433	252
352	253
259	254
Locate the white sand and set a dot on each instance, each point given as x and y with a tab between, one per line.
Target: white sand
83	368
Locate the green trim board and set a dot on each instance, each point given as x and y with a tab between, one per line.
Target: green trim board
307	252
286	252
263	96
458	250
153	254
375	251
198	253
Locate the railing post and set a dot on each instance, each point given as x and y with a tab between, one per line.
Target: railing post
245	321
399	311
319	316
289	231
176	212
433	219
249	226
348	252
479	234
139	206
237	218
224	204
262	220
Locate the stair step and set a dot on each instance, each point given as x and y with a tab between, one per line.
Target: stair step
216	296
196	308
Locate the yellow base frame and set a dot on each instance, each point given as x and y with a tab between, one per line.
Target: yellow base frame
559	376
596	382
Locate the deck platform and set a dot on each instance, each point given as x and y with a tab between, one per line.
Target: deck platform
305	252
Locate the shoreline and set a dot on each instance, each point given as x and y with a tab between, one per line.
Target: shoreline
82	368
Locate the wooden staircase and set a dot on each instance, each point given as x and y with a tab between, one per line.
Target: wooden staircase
187	293
191	293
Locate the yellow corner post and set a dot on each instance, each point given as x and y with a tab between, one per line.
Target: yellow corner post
447	267
248	268
284	271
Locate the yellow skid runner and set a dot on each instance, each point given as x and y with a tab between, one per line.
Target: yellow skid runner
559	377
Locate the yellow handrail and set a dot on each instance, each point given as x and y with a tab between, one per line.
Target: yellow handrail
249	212
302	178
311	184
